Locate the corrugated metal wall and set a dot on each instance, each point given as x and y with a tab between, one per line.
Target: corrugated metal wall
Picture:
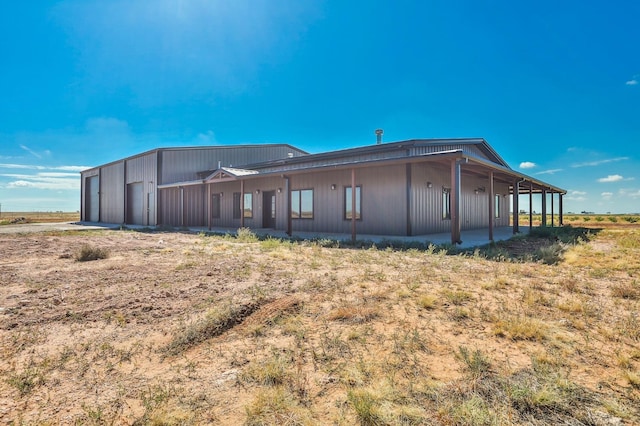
184	164
466	148
426	203
112	194
143	169
384	202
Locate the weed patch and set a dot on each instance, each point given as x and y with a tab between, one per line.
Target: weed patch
87	253
216	322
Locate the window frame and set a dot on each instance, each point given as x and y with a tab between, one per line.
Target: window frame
446	203
237	214
347	200
299	210
496	206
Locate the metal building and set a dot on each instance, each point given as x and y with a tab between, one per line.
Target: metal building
412	187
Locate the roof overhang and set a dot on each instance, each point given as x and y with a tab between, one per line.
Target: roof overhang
471	165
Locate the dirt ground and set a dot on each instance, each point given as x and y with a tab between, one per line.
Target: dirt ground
88	342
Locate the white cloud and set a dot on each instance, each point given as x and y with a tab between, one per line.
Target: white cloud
598	162
208	138
632	193
549	172
49	180
576	196
36	167
607	195
527	165
70	168
611	178
632	82
44	182
30	151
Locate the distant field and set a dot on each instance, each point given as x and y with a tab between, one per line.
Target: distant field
7	218
590	221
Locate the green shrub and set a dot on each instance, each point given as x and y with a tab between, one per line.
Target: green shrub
246	235
87	253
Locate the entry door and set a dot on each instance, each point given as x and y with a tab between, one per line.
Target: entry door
269	209
135	203
92	199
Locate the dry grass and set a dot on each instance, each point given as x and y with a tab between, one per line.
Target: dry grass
191	329
8	218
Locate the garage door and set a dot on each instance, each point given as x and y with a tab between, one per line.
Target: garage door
135	203
92	199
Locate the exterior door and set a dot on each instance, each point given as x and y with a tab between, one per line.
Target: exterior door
135	203
92	199
269	209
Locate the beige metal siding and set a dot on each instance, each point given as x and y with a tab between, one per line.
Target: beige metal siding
182	165
112	193
426	203
465	148
383	201
169	207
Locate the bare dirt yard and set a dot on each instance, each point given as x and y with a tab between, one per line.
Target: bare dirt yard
172	328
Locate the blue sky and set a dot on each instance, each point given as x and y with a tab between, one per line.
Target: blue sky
553	86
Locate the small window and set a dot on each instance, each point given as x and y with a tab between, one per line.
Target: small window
446	203
497	206
347	203
215	206
302	204
248	205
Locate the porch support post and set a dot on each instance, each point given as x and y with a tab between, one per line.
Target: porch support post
530	206
544	207
516	207
455	202
209	206
560	212
287	190
408	172
182	206
492	206
552	208
353	205
241	204
124	168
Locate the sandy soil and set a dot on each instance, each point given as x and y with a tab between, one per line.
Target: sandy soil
85	342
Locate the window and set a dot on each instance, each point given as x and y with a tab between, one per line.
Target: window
446	203
236	205
248	205
302	204
215	206
497	206
348	200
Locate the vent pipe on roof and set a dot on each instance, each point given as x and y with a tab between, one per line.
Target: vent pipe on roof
379	133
